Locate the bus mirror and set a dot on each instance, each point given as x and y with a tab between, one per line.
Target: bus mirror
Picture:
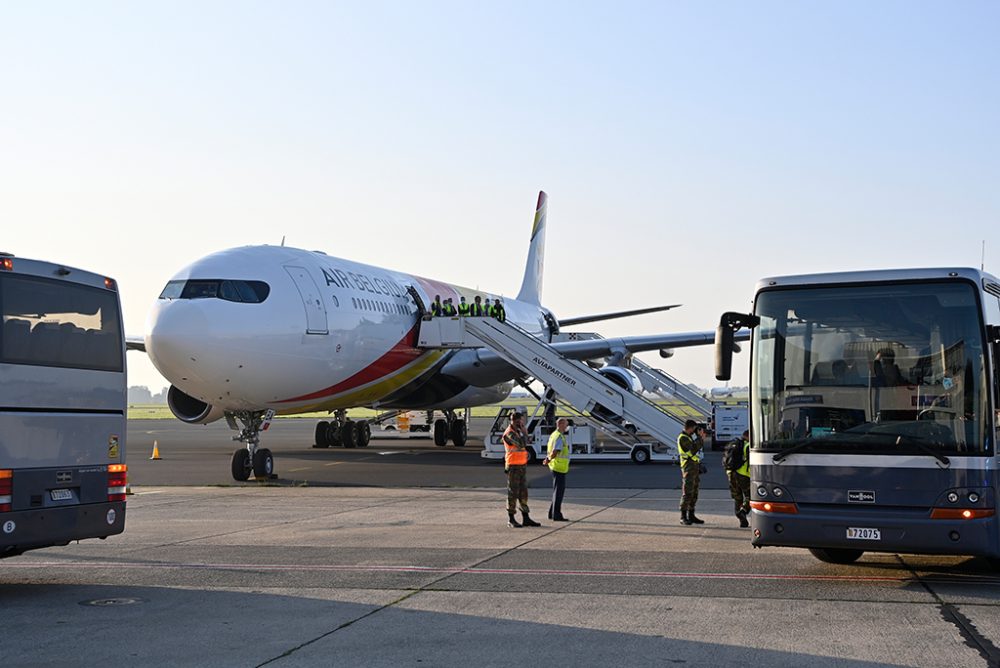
725	341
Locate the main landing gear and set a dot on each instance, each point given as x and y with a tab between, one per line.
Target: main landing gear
341	431
251	458
452	427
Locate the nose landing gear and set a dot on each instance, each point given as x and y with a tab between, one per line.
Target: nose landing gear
251	458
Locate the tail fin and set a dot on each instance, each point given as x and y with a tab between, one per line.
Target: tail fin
531	286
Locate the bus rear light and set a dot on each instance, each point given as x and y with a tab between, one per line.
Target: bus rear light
6	490
117	481
961	513
774	507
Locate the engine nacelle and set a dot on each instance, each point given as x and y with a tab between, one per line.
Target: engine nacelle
622	377
188	409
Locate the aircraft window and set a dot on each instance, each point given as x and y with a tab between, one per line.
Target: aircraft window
247	292
173	290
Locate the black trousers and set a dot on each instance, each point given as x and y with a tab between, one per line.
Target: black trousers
558	489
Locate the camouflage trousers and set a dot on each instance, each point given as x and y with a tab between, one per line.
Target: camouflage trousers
690	477
739	489
517	488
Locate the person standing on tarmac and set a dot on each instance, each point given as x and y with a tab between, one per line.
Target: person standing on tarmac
515	443
557	459
436	308
689	444
476	310
739	482
463	308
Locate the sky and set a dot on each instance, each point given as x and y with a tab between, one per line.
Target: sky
688	148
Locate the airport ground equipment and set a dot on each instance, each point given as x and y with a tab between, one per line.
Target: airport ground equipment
62	406
729	421
574	382
873	427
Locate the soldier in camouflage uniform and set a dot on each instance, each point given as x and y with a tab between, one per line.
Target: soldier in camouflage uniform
689	444
515	441
739	483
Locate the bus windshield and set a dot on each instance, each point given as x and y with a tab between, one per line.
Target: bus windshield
879	369
57	323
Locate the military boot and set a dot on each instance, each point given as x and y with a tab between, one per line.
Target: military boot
527	521
743	519
684	518
694	520
512	522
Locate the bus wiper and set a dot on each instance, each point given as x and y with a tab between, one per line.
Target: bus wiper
799	447
923	447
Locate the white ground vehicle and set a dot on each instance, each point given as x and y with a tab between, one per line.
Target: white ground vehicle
730	421
62	406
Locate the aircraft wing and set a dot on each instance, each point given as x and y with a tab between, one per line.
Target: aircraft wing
135	343
483	367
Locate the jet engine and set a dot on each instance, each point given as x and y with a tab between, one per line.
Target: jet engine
188	409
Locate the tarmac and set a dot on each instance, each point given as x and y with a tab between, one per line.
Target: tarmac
380	576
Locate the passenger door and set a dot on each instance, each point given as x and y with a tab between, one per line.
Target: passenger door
311	300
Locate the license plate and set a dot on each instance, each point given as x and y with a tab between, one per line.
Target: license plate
855	533
61	494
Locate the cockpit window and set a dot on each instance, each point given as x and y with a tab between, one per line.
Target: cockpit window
247	292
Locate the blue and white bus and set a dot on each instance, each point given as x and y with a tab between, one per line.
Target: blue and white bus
874	399
62	406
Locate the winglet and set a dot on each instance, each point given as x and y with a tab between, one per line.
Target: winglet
531	286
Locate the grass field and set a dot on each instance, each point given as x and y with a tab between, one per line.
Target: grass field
161	412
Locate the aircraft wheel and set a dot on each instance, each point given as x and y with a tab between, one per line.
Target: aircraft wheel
349	435
364	434
241	464
322	441
834	555
440	433
263	464
459	433
640	455
333	434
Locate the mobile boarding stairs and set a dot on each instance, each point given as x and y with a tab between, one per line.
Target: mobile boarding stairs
574	382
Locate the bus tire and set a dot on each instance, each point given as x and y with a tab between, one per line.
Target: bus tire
321	440
459	433
440	433
640	455
349	434
836	555
263	464
241	465
364	434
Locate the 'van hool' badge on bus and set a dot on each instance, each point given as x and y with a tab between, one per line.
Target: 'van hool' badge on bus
112	447
860	496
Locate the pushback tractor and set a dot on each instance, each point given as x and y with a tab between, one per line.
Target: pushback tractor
62	406
873	410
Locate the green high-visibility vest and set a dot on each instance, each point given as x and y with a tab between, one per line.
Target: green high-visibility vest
684	444
745	469
463	308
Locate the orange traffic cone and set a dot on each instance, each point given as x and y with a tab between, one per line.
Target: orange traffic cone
156	451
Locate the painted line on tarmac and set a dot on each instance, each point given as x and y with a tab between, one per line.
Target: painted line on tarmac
499	571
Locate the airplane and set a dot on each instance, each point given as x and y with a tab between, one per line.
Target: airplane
250	332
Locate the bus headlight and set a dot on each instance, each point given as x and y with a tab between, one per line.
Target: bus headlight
952	497
777	492
973	497
762	491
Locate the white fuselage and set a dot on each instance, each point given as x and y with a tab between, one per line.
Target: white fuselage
330	334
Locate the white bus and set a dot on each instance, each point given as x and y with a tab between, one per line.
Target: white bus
62	406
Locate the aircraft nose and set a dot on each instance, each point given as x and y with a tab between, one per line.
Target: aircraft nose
176	340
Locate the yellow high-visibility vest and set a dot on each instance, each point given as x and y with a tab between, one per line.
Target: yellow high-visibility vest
557	443
683	443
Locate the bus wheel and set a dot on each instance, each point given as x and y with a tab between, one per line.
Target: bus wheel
836	555
263	464
364	434
440	433
640	455
321	438
459	433
241	464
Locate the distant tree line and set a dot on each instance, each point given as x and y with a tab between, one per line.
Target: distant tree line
140	394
